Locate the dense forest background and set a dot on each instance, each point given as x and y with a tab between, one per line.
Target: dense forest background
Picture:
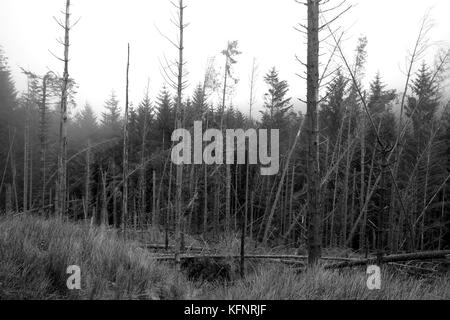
391	199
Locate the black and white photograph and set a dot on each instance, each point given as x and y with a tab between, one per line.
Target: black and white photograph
199	152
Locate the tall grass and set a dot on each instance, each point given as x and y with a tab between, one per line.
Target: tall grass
275	282
35	254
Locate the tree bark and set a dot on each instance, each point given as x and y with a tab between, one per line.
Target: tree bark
314	230
62	159
125	152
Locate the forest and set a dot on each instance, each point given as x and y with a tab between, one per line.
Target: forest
365	170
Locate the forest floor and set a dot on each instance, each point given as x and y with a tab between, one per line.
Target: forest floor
35	254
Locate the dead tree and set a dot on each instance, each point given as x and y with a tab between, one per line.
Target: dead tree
252	87
43	134
62	152
125	151
26	151
180	86
230	53
420	256
10	151
175	78
142	178
87	185
104	209
247	178
313	79
314	229
155	213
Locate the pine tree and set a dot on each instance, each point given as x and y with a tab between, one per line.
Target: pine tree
165	118
111	118
423	105
379	98
199	104
332	111
276	105
8	94
85	124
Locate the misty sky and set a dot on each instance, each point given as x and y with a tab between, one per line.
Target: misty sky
264	29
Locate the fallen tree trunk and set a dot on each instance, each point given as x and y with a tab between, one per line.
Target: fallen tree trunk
163	247
429	255
250	257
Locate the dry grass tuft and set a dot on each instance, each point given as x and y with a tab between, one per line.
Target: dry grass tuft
35	253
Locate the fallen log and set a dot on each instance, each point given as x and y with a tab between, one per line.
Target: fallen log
419	256
250	257
163	247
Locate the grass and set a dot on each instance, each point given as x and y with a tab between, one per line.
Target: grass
275	282
35	253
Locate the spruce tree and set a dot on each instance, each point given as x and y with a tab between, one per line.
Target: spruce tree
276	104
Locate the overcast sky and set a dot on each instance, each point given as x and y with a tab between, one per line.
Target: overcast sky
264	29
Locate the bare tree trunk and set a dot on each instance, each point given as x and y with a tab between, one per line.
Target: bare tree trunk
26	154
169	212
425	200
314	230
87	185
252	199
142	180
135	212
62	159
205	191
43	138
291	200
335	158
14	181
30	185
104	214
227	166
8	202
346	182
155	216
363	173
125	152
114	182
205	200
441	226
252	88
180	86
243	234
326	194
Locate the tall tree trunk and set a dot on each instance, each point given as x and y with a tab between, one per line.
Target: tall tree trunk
142	179
205	191
43	138
155	215
114	182
442	220
104	212
26	154
227	166
125	152
179	181
314	230
87	184
62	159
425	198
14	181
346	187
362	198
